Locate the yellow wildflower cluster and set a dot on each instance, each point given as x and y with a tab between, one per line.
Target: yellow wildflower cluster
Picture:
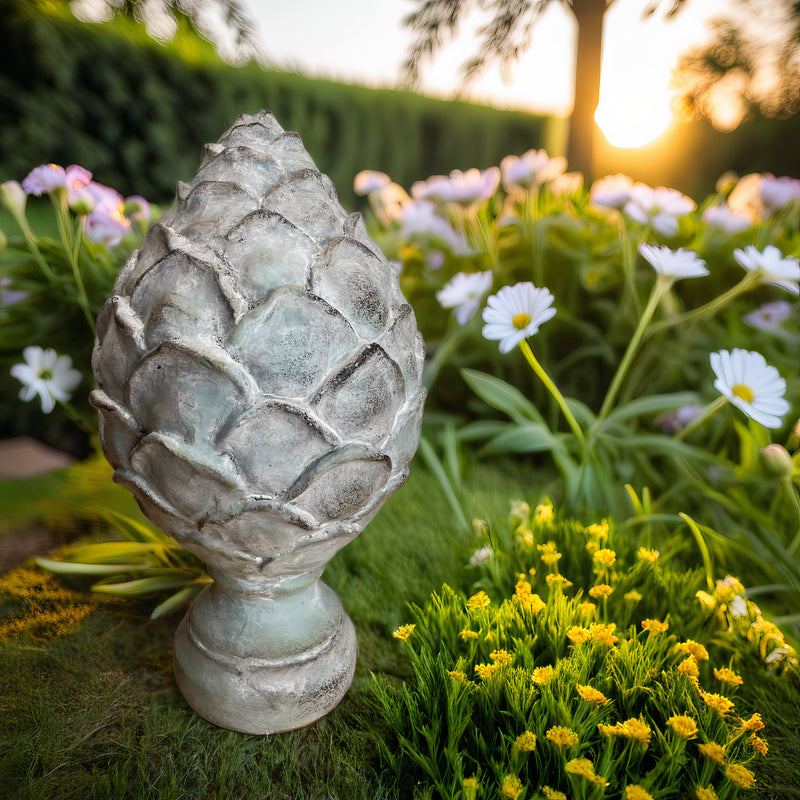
587	607
561	736
554	578
603	559
485	671
577	634
648	555
459	676
728	676
544	513
550	554
636	792
759	745
525	742
512	787
693	648
542	675
755	723
655	626
468	634
689	667
603	633
722	705
501	657
601	590
682	725
478	600
470	787
403	632
553	794
598	531
728	588
630	729
740	776
632	596
590	694
703	793
524	596
584	769
712	750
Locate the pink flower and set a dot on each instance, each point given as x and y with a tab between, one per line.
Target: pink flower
531	169
461	187
778	192
137	208
49	177
613	191
44	179
660	207
107	223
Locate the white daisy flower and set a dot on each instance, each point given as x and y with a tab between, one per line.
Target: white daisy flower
47	374
675	264
515	313
464	292
774	268
660	207
745	379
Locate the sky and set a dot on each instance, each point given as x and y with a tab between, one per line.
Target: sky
363	41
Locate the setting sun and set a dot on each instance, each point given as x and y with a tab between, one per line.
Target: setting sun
633	122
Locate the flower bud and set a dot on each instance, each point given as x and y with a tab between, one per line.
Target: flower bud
726	182
13	198
80	203
776	461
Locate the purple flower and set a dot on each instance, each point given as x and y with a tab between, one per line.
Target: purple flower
676	421
770	316
368	181
419	216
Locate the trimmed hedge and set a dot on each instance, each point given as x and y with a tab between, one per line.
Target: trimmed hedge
136	113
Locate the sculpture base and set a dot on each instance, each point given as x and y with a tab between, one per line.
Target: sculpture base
265	663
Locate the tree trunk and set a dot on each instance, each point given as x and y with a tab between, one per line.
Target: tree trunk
589	57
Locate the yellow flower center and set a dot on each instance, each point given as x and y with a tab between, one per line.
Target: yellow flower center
521	321
743	392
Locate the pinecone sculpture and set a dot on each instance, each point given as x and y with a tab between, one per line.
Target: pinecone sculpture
259	393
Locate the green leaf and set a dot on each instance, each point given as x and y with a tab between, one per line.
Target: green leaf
526	437
651	406
176	601
76	568
155	583
482	429
502	396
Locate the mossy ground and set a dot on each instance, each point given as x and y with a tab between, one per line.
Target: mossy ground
90	709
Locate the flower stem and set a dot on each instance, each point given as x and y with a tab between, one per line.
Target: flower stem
72	249
661	286
553	389
705	414
711	307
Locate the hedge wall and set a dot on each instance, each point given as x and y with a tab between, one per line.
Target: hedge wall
136	113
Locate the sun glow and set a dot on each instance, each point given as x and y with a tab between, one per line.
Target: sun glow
633	122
